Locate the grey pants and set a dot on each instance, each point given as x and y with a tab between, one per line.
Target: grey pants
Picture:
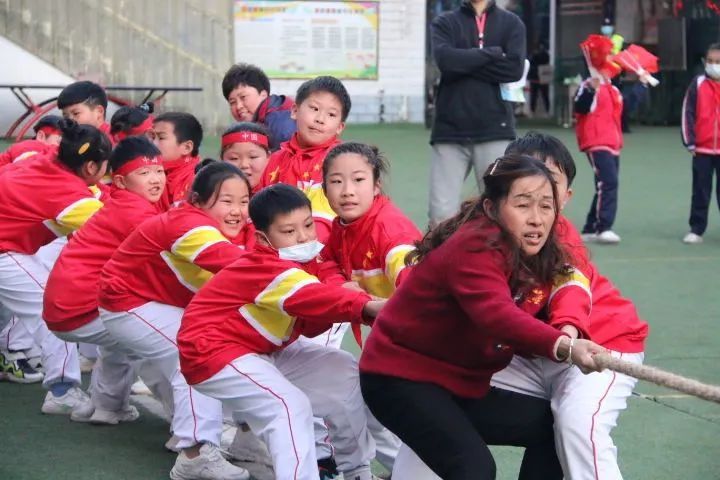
450	165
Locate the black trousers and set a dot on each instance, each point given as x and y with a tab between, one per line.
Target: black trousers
538	89
451	434
603	209
702	183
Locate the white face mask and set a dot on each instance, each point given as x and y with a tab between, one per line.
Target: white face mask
302	252
713	70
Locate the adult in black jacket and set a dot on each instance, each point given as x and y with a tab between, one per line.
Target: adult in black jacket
473	124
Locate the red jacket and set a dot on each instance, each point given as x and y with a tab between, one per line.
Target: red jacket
302	168
588	301
41	200
372	249
453	321
598	114
71	294
166	259
269	304
26	149
701	116
179	175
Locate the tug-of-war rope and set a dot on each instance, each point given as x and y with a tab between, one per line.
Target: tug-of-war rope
660	377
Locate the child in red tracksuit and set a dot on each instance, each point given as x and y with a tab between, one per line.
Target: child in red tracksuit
46	141
322	106
370	237
701	135
239	343
133	121
178	136
146	285
42	199
598	110
70	306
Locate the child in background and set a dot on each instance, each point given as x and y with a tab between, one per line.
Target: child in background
246	146
71	297
239	344
178	136
247	91
598	110
30	221
700	132
132	121
47	139
322	106
146	285
86	103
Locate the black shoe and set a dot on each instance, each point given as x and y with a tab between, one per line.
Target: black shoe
15	368
327	468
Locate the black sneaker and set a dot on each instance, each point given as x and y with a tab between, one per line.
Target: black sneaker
327	468
16	368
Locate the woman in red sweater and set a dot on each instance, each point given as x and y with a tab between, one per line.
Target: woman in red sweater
454	321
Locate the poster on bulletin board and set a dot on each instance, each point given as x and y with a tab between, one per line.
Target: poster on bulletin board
305	39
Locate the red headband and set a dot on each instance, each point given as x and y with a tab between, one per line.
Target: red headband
245	137
135	163
49	130
146	125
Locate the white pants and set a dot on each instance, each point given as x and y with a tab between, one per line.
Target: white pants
22	284
450	165
114	371
150	332
278	394
333	338
585	407
14	336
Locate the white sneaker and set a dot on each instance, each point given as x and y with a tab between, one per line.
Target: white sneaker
139	388
589	237
608	237
83	412
87	413
692	239
65	404
209	465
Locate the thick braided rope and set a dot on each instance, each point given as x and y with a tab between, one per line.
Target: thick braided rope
660	377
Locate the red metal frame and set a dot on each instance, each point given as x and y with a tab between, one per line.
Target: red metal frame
35	111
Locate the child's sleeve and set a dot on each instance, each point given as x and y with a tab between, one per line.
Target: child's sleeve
74	216
584	99
570	301
327	268
207	248
688	116
468	61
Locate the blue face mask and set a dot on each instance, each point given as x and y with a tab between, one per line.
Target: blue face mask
607	30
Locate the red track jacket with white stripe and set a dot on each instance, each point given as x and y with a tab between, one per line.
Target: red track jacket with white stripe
598	113
71	294
259	304
41	200
166	259
372	249
26	149
701	116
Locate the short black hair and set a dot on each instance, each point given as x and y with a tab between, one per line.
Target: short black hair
128	117
372	155
52	121
245	127
275	200
712	46
185	126
245	74
80	144
89	93
210	174
326	84
544	147
130	148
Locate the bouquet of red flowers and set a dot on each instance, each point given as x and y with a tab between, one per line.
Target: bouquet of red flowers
598	51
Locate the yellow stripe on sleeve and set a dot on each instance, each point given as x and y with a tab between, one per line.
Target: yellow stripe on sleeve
320	204
572	277
75	215
395	262
192	244
267	314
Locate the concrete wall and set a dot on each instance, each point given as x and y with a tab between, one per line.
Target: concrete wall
401	76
